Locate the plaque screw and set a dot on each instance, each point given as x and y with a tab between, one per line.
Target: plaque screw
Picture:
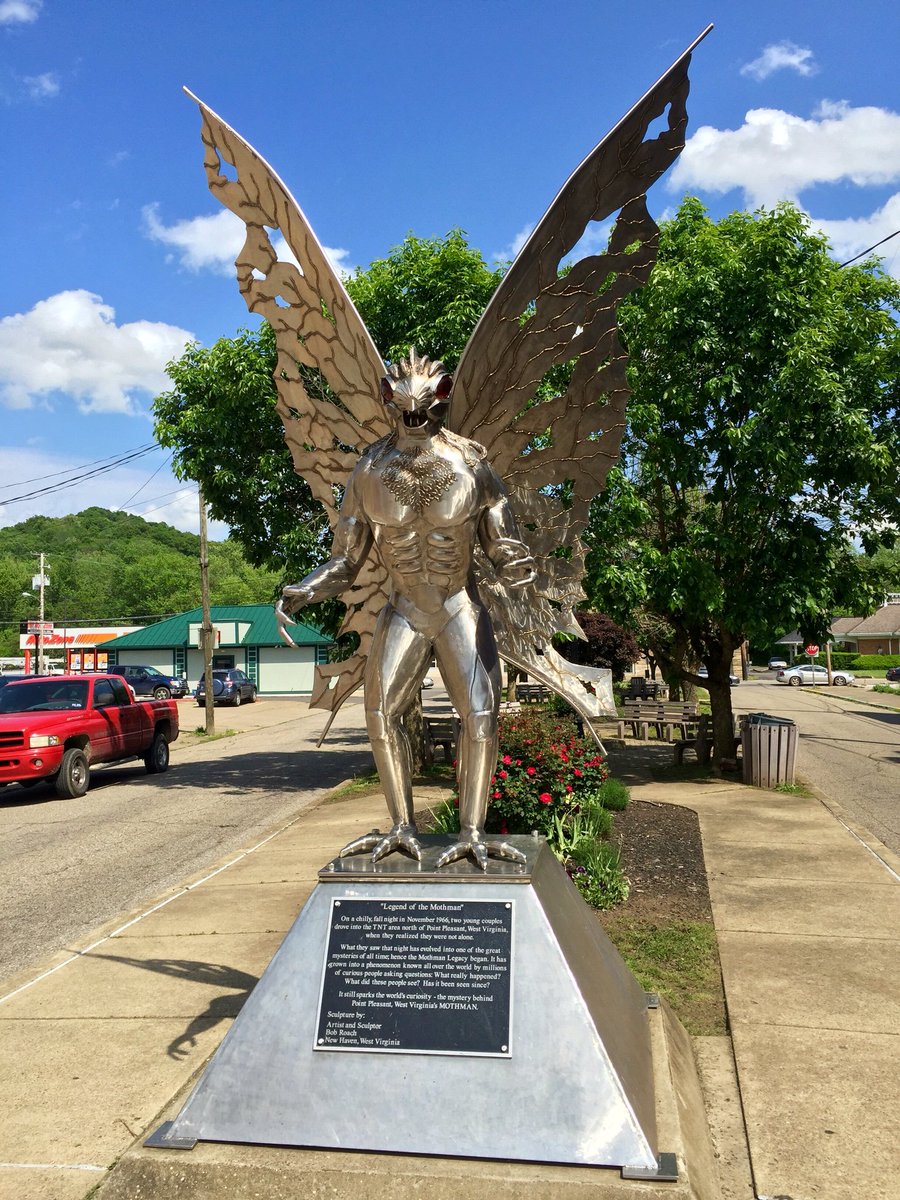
337	904
507	906
322	1040
504	1048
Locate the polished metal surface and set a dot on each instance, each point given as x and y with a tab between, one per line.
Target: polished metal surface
328	372
578	1087
401	868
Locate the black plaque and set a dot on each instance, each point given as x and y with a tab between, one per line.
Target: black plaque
417	976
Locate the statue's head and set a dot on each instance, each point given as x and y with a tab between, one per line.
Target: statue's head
416	392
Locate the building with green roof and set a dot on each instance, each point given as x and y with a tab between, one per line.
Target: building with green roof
246	637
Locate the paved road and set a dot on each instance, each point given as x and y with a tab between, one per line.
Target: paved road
848	749
67	866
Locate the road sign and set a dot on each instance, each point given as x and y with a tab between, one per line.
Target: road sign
40	626
812	650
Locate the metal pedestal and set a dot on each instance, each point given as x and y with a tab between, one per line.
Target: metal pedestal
575	1086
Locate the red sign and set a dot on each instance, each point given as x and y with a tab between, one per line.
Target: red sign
40	626
812	650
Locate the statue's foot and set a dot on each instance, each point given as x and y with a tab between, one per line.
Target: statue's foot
400	837
475	846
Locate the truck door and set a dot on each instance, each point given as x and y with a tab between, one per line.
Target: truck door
109	741
132	719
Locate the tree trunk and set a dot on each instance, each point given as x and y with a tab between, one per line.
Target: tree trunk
722	715
512	678
419	745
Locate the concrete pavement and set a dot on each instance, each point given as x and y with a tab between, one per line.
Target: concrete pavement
94	1045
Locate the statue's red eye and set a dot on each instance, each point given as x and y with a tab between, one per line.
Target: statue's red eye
444	384
387	392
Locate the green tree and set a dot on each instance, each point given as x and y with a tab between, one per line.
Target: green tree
762	440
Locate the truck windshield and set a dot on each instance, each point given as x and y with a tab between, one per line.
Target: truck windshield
43	695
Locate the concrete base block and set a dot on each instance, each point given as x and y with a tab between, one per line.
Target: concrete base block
241	1172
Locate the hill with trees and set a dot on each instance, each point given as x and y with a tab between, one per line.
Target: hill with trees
106	568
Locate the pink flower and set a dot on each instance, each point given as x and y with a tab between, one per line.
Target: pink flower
545	798
531	771
506	760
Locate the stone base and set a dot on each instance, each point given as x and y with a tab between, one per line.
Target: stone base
241	1172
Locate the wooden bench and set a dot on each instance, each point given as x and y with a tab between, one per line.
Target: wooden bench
702	743
532	693
443	732
665	717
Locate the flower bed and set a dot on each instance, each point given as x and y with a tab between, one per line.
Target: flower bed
550	779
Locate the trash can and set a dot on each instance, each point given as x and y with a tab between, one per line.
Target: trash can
768	748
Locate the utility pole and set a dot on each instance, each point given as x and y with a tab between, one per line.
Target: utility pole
206	629
41	665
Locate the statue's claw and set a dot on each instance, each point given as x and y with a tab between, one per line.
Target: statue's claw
401	837
480	850
360	845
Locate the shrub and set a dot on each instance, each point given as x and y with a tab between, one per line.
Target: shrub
596	872
613	795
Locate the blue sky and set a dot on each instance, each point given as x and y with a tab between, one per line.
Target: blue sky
383	118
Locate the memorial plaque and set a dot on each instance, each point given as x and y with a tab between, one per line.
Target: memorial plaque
418	976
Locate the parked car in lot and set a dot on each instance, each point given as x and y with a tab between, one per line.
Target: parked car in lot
778	664
56	727
813	673
147	681
229	687
892	674
734	680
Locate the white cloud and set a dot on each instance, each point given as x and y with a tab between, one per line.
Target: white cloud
42	87
781	56
70	343
165	499
776	155
212	243
510	253
851	235
21	11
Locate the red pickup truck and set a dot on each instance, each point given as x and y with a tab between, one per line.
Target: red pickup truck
55	727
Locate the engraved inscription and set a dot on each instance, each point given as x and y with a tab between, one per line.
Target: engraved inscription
417	976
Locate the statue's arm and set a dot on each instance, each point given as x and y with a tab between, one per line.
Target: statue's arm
499	534
349	549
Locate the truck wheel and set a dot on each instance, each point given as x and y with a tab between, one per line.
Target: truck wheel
161	693
156	760
795	681
74	774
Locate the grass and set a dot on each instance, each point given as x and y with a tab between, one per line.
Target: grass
680	961
200	732
887	689
792	789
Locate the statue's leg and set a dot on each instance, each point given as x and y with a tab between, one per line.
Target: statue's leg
397	662
469	665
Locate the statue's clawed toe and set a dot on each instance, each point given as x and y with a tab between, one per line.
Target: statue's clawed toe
476	847
400	837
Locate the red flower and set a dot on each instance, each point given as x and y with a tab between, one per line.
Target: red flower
531	771
568	787
502	774
506	760
576	773
497	795
456	801
503	828
545	798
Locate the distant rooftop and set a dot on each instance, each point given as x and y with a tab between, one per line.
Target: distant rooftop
262	630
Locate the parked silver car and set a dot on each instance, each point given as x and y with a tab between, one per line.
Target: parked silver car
813	673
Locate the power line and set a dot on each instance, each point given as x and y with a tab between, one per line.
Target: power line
68	483
870	249
81	467
150	479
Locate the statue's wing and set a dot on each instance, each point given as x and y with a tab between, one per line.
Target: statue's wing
328	370
555	446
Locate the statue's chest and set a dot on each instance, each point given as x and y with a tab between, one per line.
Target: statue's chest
421	488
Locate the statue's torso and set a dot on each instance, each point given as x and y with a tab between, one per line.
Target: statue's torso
424	513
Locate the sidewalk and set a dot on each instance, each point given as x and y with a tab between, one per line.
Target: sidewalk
807	912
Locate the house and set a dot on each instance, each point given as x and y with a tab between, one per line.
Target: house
246	636
877	634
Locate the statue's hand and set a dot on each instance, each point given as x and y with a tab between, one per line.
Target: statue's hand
292	599
519	572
